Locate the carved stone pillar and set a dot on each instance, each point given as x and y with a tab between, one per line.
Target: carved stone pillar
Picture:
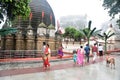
30	40
58	41
40	41
52	44
20	44
9	42
30	43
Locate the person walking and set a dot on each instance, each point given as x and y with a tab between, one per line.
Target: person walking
60	51
82	55
75	56
43	49
87	52
78	56
100	49
47	57
43	53
94	51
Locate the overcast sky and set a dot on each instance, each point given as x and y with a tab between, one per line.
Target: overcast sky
92	8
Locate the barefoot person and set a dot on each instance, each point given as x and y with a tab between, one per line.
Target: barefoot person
75	56
87	52
80	55
43	52
94	51
60	51
47	57
100	49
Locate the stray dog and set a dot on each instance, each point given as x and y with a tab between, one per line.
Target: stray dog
110	61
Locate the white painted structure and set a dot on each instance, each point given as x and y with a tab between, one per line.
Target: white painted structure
114	41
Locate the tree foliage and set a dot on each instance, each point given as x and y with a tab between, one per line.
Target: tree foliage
12	9
71	32
113	6
105	37
16	8
88	32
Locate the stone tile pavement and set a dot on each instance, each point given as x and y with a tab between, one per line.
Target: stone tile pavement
65	70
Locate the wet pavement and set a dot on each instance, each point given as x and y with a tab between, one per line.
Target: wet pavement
65	70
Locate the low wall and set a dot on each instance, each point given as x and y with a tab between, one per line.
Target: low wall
4	54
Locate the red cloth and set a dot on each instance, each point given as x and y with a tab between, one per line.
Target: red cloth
46	62
46	51
94	49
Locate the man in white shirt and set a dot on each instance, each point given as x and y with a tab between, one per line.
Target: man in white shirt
100	49
43	49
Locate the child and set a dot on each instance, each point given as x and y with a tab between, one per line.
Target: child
75	57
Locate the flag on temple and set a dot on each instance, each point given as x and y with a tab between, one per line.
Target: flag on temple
51	17
58	25
30	16
43	14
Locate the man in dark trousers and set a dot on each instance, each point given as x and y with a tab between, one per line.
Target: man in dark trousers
87	52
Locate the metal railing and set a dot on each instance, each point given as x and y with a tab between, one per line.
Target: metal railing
4	54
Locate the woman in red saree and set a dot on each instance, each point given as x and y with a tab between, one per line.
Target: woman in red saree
46	57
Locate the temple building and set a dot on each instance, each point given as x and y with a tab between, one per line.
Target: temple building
39	28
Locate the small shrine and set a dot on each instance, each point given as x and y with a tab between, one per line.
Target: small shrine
114	41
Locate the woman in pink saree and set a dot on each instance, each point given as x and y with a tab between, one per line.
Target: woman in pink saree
80	56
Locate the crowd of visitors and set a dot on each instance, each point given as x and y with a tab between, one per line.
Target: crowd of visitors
82	54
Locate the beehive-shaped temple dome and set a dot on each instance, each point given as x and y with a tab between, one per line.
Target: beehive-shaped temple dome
28	36
41	13
38	7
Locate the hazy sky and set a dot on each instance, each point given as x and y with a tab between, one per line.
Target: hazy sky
92	8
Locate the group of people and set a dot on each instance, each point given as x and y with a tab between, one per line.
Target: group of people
79	55
46	53
82	54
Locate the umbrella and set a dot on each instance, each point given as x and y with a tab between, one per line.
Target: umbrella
6	31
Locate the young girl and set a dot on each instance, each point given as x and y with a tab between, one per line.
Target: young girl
75	57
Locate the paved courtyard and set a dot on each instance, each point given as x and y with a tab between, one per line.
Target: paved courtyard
65	70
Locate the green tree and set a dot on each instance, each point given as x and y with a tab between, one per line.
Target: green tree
88	32
69	32
16	8
113	6
13	8
78	35
105	37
